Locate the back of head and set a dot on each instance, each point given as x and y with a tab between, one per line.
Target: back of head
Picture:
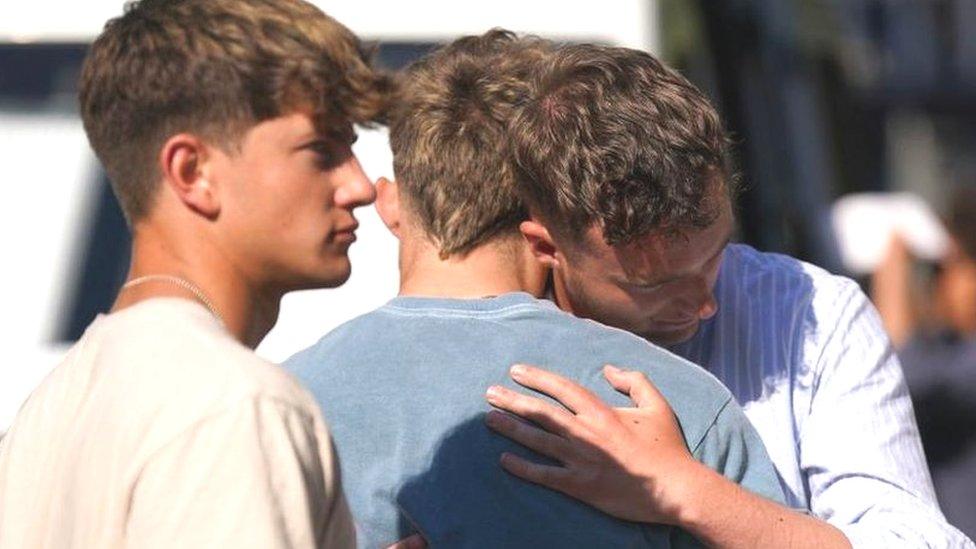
614	138
448	135
215	68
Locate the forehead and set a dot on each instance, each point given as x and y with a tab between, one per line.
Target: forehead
661	255
286	129
280	129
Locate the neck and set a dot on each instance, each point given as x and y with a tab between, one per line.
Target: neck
559	294
247	310
492	269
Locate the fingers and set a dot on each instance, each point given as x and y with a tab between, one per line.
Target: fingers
634	384
555	478
415	541
529	436
549	417
568	393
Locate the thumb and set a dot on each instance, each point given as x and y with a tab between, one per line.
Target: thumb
635	385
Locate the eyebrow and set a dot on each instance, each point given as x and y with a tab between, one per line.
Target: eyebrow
650	284
338	138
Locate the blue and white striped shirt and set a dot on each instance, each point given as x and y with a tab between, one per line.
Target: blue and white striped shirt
805	354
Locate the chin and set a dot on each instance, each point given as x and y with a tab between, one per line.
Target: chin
339	279
335	278
335	270
332	276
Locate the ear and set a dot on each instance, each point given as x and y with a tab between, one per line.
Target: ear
540	243
186	163
388	204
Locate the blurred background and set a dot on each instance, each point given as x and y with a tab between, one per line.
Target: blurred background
855	123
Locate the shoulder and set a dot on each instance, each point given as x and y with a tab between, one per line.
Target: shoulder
658	361
177	349
829	301
745	264
827	317
696	396
359	334
776	281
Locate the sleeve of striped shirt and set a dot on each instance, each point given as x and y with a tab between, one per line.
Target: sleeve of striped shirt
860	449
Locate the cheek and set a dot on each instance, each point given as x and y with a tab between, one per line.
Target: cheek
629	310
674	303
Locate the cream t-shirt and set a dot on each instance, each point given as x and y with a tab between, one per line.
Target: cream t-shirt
161	430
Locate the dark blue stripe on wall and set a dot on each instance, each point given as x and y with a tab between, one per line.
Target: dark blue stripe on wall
104	263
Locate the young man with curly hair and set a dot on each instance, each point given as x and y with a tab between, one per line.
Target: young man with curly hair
624	166
225	127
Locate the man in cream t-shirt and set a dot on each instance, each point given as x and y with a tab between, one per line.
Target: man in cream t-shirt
225	127
159	429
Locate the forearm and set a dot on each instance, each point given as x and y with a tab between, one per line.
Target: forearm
722	514
891	285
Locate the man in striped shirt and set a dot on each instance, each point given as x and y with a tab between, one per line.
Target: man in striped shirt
624	167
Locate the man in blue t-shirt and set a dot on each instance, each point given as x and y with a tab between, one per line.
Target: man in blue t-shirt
402	386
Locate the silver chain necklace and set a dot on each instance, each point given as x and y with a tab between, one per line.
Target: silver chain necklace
182	283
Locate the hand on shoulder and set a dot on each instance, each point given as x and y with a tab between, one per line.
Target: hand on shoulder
627	462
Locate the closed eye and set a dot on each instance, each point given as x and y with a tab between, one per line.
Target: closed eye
644	287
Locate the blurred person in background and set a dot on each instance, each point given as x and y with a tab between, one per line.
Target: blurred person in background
225	127
935	336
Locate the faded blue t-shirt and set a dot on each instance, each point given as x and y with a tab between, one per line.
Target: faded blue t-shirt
402	389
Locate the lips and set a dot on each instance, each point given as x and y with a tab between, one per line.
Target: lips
346	234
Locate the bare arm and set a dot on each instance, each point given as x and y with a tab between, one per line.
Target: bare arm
633	464
891	285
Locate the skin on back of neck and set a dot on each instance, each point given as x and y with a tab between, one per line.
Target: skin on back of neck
505	264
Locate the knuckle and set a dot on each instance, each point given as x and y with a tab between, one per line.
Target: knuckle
536	410
635	376
524	406
544	476
541	444
601	419
588	477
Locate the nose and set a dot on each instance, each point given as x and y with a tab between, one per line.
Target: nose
708	307
355	188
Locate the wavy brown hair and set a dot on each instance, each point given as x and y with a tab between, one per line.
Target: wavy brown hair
613	137
216	68
449	140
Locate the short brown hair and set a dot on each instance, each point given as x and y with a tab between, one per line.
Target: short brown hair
613	137
216	68
449	141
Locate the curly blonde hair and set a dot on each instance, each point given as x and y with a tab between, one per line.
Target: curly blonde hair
448	135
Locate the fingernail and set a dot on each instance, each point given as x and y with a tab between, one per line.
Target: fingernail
493	393
612	369
517	370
